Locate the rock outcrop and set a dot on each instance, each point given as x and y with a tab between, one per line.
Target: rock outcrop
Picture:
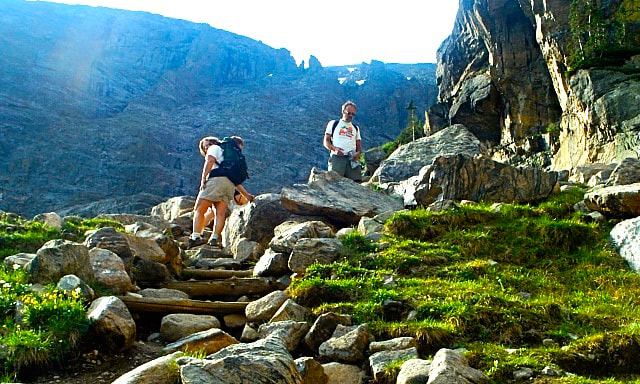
508	72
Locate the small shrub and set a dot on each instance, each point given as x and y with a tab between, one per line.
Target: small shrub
50	326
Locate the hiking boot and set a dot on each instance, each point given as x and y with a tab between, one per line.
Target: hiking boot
194	241
214	242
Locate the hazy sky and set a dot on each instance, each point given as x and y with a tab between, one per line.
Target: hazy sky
335	32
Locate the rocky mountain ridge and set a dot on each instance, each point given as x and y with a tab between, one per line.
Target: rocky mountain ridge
555	81
103	104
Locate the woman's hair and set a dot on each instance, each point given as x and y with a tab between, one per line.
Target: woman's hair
208	139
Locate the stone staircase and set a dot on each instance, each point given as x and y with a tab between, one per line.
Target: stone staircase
214	282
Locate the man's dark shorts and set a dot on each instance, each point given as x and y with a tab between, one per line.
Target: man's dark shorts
342	166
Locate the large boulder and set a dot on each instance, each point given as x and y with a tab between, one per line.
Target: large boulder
109	270
621	201
625	237
266	361
109	238
309	251
174	207
255	221
627	172
112	322
461	177
408	159
57	258
284	242
337	198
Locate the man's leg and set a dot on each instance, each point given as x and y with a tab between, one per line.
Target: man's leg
354	174
338	164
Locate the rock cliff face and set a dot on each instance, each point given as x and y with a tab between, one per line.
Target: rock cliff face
99	103
508	73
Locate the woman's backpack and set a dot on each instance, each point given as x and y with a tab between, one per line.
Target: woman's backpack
234	165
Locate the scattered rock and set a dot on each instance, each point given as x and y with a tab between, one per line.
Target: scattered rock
178	325
162	370
207	342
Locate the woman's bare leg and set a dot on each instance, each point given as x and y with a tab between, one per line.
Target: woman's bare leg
199	215
220	208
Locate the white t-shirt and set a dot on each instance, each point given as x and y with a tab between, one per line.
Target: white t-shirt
215	151
344	136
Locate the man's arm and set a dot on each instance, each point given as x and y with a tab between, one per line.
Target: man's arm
356	155
329	145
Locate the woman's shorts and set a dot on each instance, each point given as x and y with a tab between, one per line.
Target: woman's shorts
218	189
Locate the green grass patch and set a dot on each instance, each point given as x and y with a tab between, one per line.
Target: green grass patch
20	235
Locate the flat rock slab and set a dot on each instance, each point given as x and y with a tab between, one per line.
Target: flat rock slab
337	198
616	201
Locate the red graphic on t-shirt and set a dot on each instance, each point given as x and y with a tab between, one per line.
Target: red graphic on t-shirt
346	131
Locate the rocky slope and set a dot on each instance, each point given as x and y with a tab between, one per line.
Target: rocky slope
553	77
101	104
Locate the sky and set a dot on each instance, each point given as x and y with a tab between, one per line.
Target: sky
335	32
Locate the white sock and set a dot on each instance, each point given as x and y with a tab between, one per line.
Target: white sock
196	235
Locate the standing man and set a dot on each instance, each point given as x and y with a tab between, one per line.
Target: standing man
342	138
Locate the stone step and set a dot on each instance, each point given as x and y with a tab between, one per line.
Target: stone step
156	305
233	286
212	274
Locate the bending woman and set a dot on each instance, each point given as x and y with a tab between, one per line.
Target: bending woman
214	192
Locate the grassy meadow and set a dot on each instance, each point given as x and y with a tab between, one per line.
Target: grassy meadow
516	286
